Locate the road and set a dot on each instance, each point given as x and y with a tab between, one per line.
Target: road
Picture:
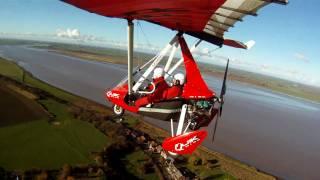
272	132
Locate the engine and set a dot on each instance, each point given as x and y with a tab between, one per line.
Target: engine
200	113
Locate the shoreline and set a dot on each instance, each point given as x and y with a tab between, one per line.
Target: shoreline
232	76
247	172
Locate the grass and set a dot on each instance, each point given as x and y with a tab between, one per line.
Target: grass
50	89
131	121
38	144
224	168
135	162
43	144
10	69
16	108
209	173
5	41
49	145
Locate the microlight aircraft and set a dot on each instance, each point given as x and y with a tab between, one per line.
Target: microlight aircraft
197	105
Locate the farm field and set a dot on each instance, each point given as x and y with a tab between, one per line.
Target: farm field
29	138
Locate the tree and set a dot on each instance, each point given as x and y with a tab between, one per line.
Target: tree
65	172
99	172
196	161
3	173
99	160
42	176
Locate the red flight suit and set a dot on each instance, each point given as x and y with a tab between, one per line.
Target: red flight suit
172	92
160	86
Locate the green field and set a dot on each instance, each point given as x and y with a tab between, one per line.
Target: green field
40	143
134	164
9	69
17	108
48	143
51	143
45	144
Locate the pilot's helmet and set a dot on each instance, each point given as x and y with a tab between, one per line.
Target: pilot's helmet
158	72
179	77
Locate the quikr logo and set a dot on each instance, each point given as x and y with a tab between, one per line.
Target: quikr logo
181	146
185	143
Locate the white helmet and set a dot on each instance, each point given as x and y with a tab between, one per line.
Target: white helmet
158	72
180	77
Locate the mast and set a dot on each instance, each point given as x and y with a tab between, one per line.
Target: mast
130	55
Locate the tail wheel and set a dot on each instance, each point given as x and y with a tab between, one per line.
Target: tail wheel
118	110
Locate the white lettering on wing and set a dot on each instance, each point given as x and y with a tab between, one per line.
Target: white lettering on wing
113	95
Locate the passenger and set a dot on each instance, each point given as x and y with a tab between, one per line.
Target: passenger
160	86
177	87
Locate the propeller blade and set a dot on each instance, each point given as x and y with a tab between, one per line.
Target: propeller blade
222	93
223	88
216	125
220	110
224	85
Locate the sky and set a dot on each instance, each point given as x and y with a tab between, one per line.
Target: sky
286	36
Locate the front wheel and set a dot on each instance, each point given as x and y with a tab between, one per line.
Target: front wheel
194	126
118	110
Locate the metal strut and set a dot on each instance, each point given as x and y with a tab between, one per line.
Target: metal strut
181	119
154	64
130	55
174	67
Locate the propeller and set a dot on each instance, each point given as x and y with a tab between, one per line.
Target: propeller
221	99
224	88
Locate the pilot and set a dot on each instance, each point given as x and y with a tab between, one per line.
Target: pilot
177	86
160	86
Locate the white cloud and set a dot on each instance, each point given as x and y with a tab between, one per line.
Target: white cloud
75	34
264	67
202	52
301	56
68	33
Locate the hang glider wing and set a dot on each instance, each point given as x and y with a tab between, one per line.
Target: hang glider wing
207	20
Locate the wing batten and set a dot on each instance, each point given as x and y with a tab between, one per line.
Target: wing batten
233	11
221	23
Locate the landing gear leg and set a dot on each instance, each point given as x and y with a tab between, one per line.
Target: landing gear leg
180	129
181	122
181	119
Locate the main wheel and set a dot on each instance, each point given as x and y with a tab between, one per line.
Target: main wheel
194	125
118	110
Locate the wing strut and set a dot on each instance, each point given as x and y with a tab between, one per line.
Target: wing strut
130	55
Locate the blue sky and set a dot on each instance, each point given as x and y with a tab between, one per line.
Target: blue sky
286	36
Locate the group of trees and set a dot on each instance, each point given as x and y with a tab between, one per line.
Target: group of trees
66	172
